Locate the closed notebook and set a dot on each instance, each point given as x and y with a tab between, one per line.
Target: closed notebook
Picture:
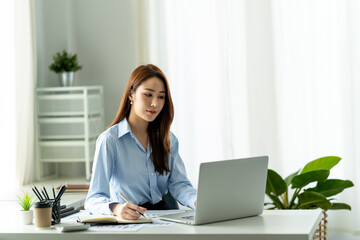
75	188
112	219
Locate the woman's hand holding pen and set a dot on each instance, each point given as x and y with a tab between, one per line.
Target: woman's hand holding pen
127	210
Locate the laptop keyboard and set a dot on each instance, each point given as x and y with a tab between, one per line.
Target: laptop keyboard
189	217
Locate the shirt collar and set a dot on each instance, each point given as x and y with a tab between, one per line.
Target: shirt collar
123	128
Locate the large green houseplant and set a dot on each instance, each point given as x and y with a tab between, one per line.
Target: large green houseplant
307	189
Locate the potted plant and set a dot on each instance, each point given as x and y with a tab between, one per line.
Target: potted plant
65	64
26	202
310	188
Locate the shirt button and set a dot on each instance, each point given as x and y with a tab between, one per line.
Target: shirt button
152	174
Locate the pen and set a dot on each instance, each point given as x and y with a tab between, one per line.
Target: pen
53	190
47	195
42	191
60	193
36	194
127	200
41	198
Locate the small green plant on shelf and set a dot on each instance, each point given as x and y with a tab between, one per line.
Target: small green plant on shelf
26	201
303	196
65	62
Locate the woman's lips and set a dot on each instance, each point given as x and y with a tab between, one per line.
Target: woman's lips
150	111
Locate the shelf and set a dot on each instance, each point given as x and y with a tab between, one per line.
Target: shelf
65	96
68	89
65	151
62	143
71	128
69	104
62	160
66	137
62	120
68	114
69	119
61	97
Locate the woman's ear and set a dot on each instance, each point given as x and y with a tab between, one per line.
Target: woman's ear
131	96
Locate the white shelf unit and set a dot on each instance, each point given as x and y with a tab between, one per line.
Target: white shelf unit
69	119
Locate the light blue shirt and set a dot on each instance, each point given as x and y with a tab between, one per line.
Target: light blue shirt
121	164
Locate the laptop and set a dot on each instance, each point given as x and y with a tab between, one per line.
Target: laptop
228	189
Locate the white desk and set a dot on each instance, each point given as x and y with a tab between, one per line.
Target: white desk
271	225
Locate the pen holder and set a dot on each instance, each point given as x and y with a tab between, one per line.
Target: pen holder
56	214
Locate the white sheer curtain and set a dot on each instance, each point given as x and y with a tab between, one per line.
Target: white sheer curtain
17	103
25	76
317	86
206	76
252	77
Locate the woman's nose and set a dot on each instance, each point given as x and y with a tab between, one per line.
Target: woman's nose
154	102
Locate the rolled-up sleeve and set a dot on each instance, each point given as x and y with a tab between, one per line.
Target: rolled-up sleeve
98	198
179	185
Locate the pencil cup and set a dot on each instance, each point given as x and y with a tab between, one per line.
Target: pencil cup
42	214
56	214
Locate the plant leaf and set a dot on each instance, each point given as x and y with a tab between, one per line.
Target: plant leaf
290	177
26	201
304	179
65	62
310	199
276	201
275	184
324	163
331	187
337	206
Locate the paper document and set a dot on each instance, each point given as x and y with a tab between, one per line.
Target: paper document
116	228
158	213
72	218
153	214
157	222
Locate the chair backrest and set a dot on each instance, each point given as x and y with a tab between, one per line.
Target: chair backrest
171	201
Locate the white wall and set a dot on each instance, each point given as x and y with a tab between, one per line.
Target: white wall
51	36
102	33
106	38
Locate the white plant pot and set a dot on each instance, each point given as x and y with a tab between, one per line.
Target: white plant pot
27	217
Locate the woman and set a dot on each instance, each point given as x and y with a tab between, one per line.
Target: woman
138	155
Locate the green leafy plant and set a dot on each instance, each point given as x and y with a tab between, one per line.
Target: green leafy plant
26	201
304	196
65	62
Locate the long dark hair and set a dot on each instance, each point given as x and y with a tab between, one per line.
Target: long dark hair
159	129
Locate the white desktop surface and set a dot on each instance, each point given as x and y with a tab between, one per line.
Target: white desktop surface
271	225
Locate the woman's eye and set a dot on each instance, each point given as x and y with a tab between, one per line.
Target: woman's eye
148	94
161	97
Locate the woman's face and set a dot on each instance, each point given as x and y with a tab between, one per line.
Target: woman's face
148	99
